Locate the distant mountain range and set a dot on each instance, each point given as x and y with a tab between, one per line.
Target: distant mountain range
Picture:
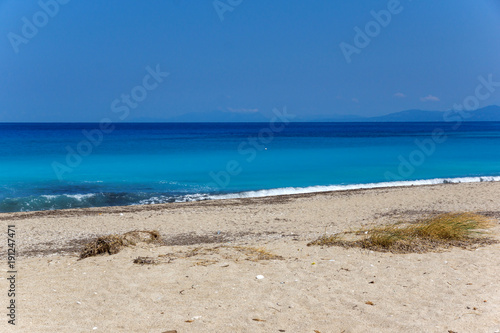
489	113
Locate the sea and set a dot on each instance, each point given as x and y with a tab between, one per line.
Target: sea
48	166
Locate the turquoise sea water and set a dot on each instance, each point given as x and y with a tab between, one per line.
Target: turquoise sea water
55	166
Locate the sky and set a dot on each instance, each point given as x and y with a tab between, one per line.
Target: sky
82	61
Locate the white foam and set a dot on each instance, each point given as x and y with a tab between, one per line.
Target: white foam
78	197
184	198
315	189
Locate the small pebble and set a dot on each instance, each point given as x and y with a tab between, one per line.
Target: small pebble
259	277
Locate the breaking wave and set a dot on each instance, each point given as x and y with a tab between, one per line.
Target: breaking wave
66	201
328	188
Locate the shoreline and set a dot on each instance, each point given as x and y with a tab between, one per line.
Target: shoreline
298	192
273	192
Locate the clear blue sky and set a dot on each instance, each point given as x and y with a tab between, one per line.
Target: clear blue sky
264	54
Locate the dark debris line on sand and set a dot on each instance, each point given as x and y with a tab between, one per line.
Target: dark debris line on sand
76	246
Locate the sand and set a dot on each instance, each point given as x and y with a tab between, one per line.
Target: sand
205	276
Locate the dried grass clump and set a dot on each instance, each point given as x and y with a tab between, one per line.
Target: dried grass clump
257	254
205	256
142	236
227	252
112	244
440	231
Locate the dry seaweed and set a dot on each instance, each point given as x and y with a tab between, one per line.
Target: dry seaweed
112	244
257	254
206	256
146	261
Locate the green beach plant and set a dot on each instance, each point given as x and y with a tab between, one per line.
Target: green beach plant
439	231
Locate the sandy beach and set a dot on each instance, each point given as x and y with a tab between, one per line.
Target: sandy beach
205	279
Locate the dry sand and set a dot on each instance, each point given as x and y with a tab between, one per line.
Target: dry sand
205	280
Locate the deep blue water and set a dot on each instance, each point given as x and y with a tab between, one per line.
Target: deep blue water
54	166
